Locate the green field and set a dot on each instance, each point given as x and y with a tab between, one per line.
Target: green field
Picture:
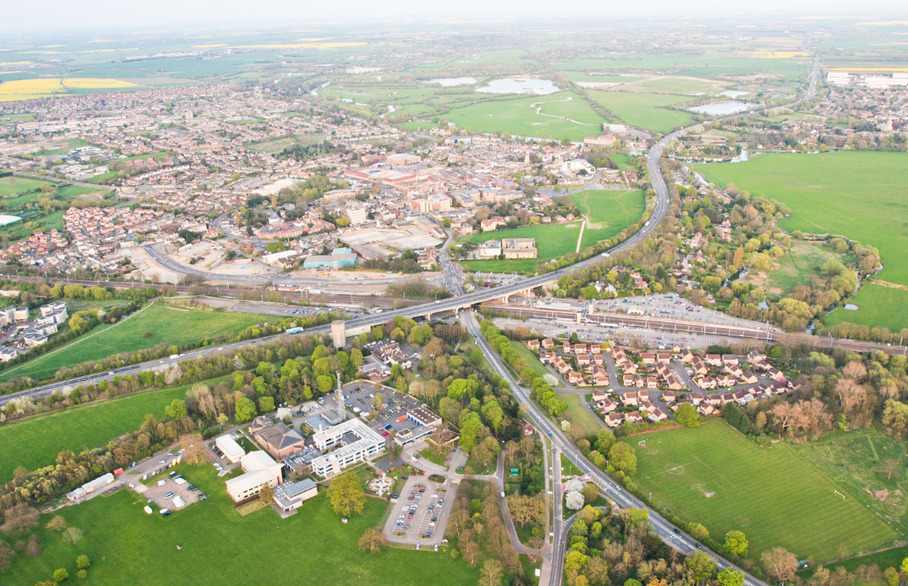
800	263
518	116
878	306
552	241
36	441
531	359
609	212
860	195
706	64
715	476
13	185
157	324
218	546
652	111
580	417
856	461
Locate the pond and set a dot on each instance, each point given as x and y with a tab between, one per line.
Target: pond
720	108
453	81
520	85
733	94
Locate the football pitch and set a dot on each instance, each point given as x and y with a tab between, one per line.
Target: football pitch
715	476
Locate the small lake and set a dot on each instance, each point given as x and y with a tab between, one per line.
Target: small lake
720	108
733	94
515	85
453	81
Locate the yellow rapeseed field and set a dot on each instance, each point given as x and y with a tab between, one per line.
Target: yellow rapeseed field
20	87
32	89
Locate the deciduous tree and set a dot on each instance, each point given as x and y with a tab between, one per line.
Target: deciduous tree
346	495
780	563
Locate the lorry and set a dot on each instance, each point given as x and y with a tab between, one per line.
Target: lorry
293	330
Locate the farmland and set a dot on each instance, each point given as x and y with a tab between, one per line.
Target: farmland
856	194
29	89
609	212
127	546
157	324
652	111
715	476
36	441
562	115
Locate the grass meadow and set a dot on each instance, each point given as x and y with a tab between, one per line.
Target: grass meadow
652	111
800	262
126	546
157	324
552	241
13	185
573	119
715	476
860	195
36	441
857	460
609	212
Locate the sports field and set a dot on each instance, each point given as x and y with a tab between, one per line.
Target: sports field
859	461
561	115
652	111
126	546
157	324
609	212
36	441
715	476
860	195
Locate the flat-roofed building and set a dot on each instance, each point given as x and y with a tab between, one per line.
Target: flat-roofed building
260	469
231	450
290	495
358	442
423	416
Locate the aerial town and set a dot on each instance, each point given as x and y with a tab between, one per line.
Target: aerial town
424	296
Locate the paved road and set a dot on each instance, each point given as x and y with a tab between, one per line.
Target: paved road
665	530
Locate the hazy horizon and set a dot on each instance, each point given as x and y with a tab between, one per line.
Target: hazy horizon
110	16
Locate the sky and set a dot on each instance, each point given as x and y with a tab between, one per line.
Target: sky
126	15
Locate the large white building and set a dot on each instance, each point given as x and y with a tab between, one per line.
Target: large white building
231	450
260	469
357	441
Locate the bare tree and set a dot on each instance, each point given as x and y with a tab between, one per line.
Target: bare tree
492	573
780	563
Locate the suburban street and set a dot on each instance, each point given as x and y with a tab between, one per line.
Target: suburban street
621	497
